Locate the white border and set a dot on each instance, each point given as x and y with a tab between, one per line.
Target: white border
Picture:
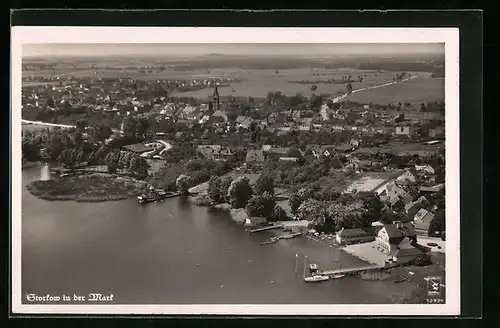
449	36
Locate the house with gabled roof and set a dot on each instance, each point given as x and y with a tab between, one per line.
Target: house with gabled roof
432	189
391	236
344	148
243	122
219	113
286	159
426	169
282	151
390	191
408	175
255	157
413	207
422	220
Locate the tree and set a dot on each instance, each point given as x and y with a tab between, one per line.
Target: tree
349	87
265	183
373	207
240	192
30	149
111	160
81	125
143	126
68	157
314	87
139	166
387	216
130	127
100	132
440	200
100	154
224	189
124	159
261	205
92	158
51	103
183	183
438	223
231	116
312	210
347	216
214	188
279	214
315	101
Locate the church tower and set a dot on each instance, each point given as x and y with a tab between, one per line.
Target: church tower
215	99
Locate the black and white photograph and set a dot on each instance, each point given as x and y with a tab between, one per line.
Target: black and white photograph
235	171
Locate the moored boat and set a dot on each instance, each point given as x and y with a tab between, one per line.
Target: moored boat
154	195
338	275
316	278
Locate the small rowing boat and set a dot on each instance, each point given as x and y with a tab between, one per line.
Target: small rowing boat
316	278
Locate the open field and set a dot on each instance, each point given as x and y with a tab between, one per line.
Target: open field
35	84
258	82
415	91
370	181
34	127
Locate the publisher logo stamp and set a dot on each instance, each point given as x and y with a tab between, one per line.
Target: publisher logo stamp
434	289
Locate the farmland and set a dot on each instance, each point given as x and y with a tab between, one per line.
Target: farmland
254	82
35	127
414	91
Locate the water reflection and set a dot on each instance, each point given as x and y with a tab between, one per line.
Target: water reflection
45	172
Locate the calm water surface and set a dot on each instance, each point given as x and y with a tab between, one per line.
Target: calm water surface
171	252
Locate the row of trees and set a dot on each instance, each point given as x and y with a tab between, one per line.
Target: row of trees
257	201
114	159
331	211
70	149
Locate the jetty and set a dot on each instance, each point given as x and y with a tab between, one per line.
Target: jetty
275	226
273	240
349	271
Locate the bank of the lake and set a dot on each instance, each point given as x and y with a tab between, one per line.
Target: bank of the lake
95	187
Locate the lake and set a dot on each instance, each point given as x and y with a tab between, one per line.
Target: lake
172	252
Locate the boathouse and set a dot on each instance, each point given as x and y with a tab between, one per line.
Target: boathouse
355	236
255	221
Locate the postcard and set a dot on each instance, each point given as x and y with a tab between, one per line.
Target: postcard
235	171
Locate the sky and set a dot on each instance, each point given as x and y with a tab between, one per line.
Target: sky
309	49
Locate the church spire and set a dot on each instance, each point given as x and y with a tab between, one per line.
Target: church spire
215	98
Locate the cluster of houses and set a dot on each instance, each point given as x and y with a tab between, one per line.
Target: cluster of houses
126	97
397	240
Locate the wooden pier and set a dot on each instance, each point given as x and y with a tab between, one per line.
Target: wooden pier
349	270
276	226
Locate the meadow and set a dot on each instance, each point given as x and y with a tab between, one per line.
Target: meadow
34	127
258	83
415	92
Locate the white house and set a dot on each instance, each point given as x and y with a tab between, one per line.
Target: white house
255	221
425	168
390	238
354	236
390	190
407	176
422	220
